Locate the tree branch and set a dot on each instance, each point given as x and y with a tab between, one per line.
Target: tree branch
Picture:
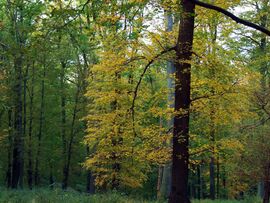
142	75
232	16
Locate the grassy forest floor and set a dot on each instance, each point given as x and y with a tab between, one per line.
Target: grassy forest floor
58	196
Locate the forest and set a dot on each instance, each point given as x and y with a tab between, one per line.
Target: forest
135	101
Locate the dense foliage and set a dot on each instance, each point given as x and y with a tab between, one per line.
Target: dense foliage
87	97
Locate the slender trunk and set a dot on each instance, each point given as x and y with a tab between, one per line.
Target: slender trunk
90	178
199	185
8	173
212	159
17	163
159	181
212	50
116	141
90	181
72	134
224	183
212	178
51	179
260	189
24	113
266	195
160	168
263	45
63	123
167	169
30	158
218	176
41	120
180	157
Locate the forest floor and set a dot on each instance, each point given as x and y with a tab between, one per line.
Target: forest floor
58	196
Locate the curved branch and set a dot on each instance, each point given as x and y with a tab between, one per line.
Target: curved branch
142	75
232	16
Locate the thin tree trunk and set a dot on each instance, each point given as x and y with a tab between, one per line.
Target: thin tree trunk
212	159
212	178
266	196
63	123
218	177
90	181
212	50
160	169
41	120
17	163
30	158
159	182
199	185
116	141
90	178
72	134
167	169
180	157
9	168
51	179
24	113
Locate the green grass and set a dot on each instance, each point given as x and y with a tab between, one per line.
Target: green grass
59	196
247	200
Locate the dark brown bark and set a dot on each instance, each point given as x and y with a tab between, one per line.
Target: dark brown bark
40	130
180	157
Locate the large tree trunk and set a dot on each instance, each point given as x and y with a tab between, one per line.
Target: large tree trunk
180	157
41	120
17	163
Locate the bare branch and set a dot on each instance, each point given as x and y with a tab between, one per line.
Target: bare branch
233	17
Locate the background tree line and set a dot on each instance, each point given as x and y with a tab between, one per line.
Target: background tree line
88	94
